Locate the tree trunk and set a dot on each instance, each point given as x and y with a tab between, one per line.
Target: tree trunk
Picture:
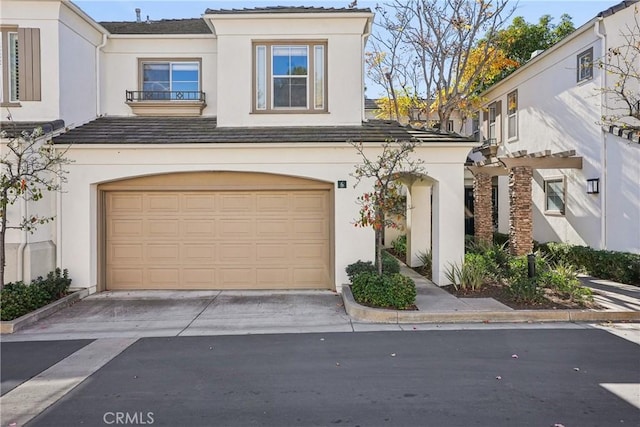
3	229
379	236
393	96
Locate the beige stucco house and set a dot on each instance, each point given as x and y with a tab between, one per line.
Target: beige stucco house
212	153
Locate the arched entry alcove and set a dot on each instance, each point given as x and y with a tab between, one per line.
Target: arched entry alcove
216	230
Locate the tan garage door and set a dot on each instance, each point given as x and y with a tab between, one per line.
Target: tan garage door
217	239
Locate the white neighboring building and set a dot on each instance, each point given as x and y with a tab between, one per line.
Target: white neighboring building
554	103
214	152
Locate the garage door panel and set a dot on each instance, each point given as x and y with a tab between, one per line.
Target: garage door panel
237	277
125	203
304	203
162	203
163	277
272	278
163	253
230	229
273	203
236	253
309	229
198	278
272	253
206	239
198	254
237	203
198	203
125	278
273	229
125	229
309	251
126	253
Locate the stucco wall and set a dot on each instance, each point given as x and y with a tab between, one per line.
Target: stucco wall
120	66
556	113
93	165
344	67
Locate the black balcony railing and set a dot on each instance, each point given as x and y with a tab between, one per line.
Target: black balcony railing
165	95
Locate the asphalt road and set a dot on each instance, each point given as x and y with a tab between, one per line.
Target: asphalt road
419	378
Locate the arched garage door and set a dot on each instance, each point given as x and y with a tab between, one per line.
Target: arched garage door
217	230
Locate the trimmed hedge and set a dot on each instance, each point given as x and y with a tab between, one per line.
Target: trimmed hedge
623	267
386	291
18	299
390	265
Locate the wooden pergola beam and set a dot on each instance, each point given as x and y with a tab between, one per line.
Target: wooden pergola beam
548	162
497	170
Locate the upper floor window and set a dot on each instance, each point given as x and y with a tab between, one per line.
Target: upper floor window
492	134
475	126
554	191
450	126
19	65
585	65
290	76
512	115
171	80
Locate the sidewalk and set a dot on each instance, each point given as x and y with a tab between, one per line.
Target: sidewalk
435	305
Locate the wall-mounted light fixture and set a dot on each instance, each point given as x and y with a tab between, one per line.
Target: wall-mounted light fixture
593	186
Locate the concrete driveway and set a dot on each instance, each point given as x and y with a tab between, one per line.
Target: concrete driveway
185	313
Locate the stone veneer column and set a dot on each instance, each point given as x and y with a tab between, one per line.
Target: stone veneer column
482	208
520	211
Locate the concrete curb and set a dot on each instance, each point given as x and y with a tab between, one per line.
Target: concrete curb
11	326
379	315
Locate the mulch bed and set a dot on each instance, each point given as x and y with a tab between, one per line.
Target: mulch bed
551	301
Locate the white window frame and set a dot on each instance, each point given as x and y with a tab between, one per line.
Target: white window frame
13	66
547	195
512	115
492	125
297	77
585	65
263	80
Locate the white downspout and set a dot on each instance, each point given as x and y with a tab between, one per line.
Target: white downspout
603	156
98	83
363	43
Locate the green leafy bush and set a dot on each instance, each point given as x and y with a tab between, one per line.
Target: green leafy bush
399	245
426	260
359	267
623	267
501	239
17	299
522	287
471	275
563	278
386	291
390	265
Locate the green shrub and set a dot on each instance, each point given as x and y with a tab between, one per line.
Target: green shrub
471	275
522	287
623	267
426	260
386	291
501	239
390	265
399	245
359	267
17	299
563	278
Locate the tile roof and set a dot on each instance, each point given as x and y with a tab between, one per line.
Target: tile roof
616	8
182	130
370	104
164	26
13	128
284	9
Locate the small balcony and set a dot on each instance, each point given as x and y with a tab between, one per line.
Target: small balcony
166	103
489	148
